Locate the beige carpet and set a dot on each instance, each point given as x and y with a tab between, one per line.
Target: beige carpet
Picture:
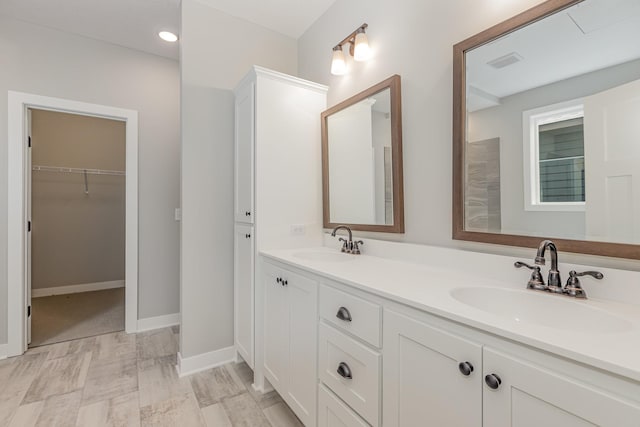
66	317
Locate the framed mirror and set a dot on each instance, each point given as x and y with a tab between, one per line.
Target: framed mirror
546	136
362	161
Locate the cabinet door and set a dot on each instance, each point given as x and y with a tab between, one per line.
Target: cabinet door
276	328
333	412
303	339
244	153
423	385
532	396
243	291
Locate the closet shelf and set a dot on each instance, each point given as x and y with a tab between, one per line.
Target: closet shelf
77	170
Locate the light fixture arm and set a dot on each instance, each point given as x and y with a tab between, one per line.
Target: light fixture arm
351	38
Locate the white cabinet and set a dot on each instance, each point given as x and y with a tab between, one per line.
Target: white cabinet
530	395
243	261
290	339
351	370
423	383
244	153
332	412
277	180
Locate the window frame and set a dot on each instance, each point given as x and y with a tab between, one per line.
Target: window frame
531	121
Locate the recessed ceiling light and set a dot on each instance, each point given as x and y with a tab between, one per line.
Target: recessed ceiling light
168	36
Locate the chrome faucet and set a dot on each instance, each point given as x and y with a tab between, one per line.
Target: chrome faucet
572	288
348	246
554	283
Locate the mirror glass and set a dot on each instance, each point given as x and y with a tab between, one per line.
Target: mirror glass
552	129
361	145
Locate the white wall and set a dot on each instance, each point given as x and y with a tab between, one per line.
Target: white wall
42	61
413	38
216	52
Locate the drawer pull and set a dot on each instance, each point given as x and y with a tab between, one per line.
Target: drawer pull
343	314
465	368
493	381
344	371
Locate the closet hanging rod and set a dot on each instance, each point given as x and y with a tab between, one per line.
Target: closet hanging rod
77	170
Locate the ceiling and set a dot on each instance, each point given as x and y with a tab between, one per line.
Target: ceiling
136	23
289	17
589	36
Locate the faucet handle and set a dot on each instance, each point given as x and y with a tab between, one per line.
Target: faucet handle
345	245
356	247
573	287
536	281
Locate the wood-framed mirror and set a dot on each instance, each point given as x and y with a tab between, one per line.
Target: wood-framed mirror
546	141
362	183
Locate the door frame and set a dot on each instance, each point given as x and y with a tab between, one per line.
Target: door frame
18	104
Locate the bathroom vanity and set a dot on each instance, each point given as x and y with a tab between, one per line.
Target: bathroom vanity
365	340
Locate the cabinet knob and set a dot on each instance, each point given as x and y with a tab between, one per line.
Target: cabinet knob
278	280
247	236
344	371
465	368
343	314
247	213
284	282
493	381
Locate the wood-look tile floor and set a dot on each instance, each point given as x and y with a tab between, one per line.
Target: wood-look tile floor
130	380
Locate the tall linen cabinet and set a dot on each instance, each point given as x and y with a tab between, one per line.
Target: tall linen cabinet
278	186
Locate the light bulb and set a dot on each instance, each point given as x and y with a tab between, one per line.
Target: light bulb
361	51
168	36
338	63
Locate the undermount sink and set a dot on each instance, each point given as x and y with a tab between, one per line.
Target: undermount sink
321	256
538	308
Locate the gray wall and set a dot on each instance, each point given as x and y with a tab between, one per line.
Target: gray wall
42	61
414	38
77	238
217	50
505	122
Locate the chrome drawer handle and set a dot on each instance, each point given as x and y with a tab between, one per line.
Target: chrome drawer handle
344	371
343	314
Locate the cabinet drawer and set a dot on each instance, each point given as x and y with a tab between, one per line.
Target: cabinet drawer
365	316
332	412
340	353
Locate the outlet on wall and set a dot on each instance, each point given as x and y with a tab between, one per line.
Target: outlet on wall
298	229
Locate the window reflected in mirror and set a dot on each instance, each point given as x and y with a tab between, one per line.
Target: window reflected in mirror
551	128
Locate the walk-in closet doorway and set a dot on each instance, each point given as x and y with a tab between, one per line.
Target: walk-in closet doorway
76	204
73	200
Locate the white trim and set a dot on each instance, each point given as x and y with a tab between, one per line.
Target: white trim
257	71
150	323
530	155
202	362
18	105
76	289
3	351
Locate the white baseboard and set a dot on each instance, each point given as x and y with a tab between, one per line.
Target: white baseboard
74	289
150	323
3	351
201	362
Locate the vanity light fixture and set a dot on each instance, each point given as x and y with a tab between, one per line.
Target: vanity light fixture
168	36
338	63
358	48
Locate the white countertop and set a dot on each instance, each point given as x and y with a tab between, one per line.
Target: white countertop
428	288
